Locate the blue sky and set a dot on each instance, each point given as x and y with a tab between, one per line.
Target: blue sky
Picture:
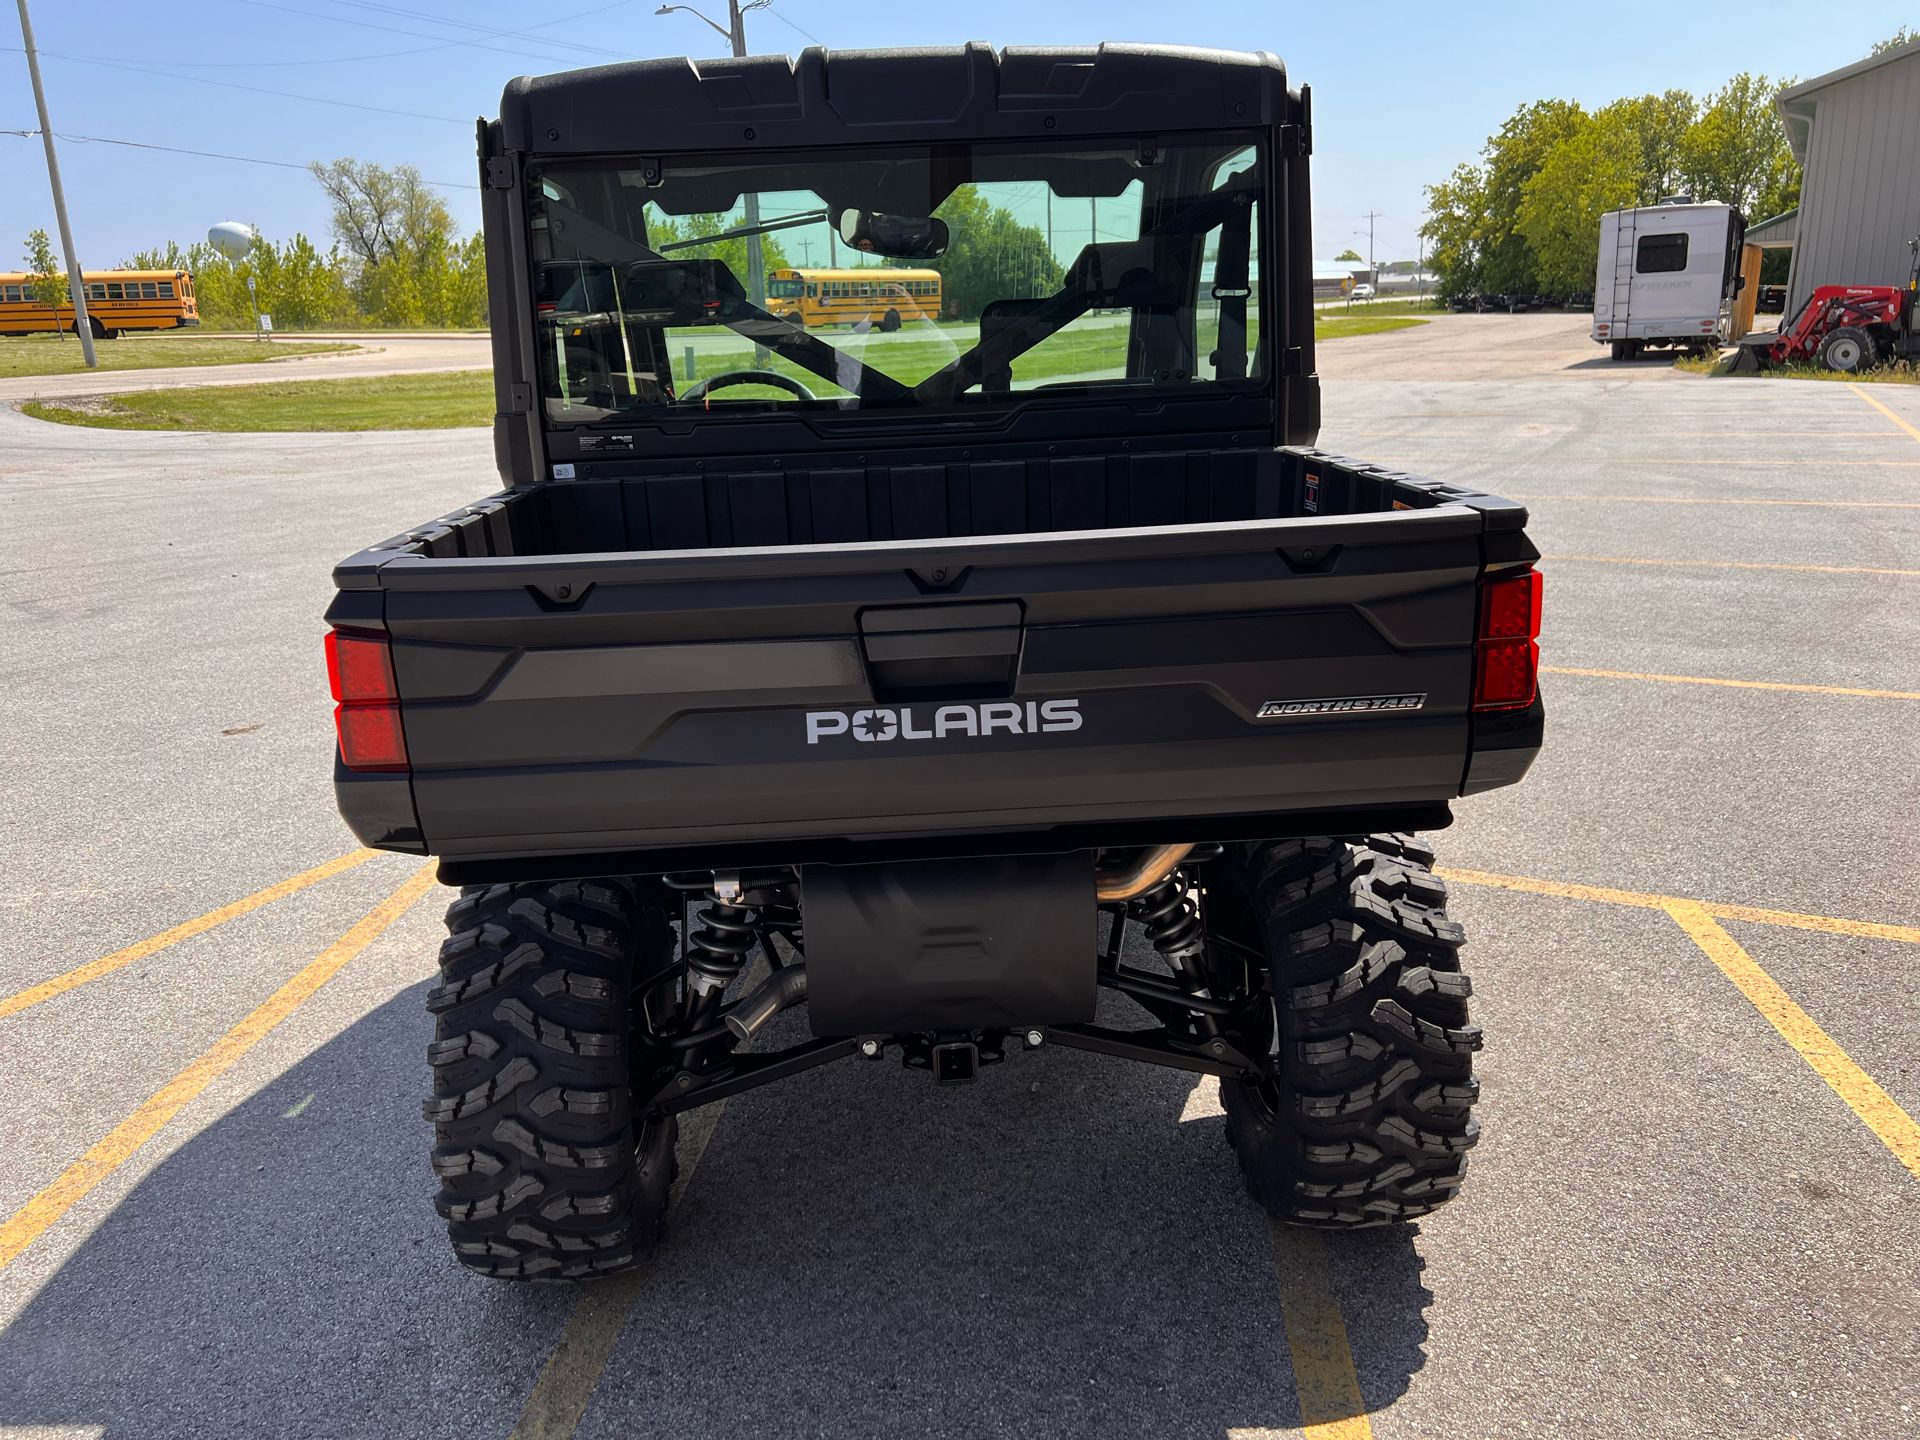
1402	92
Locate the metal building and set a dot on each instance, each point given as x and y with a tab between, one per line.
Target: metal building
1856	134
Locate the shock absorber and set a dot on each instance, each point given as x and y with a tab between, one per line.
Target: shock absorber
717	951
1171	921
1170	916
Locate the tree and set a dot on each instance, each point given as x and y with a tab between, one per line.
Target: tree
1902	36
1737	150
1473	214
171	258
1456	208
1527	217
1515	156
46	282
1597	169
1348	254
990	256
1657	127
377	210
665	230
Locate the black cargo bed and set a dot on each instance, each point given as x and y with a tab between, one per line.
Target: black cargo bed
1191	679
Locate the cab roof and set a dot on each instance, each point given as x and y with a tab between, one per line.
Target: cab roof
927	95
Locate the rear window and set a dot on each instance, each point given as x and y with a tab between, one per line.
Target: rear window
956	275
1658	253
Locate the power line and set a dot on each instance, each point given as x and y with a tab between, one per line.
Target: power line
496	32
209	154
791	26
285	64
521	35
445	44
251	89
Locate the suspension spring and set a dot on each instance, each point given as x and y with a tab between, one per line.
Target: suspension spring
717	951
1171	920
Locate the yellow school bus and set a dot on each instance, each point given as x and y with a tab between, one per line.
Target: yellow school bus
117	301
884	299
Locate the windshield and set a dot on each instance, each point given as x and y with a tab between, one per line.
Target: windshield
951	275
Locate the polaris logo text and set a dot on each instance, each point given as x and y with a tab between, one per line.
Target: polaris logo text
1285	709
1010	716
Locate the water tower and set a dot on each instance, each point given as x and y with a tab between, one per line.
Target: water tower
234	240
231	239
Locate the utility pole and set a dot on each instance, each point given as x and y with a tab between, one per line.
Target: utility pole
735	33
1372	273
76	284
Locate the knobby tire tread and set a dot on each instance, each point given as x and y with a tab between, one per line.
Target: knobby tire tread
1367	1115
546	1173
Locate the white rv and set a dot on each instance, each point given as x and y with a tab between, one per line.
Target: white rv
1667	276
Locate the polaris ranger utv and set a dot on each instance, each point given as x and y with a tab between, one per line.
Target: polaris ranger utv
939	675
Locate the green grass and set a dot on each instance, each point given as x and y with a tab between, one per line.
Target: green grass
60	354
1894	372
460	398
1072	352
390	402
1341	327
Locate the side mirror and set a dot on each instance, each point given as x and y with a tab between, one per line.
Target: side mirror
899	237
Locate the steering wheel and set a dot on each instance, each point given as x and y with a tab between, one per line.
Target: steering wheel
748	377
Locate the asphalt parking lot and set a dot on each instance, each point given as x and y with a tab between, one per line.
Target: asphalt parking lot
1694	931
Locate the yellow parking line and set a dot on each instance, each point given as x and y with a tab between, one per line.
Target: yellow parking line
26	1224
580	1356
1331	1406
1861	929
573	1371
1884	411
1730	565
1734	684
106	965
1876	1109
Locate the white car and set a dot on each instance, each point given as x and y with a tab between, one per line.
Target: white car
1361	292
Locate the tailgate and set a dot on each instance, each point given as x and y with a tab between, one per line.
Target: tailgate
916	688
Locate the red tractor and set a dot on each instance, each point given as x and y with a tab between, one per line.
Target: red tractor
1845	327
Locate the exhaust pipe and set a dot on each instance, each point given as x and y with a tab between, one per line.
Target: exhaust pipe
785	987
1156	862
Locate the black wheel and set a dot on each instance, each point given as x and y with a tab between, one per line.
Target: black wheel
546	1173
1366	1112
1848	350
890	322
1619	350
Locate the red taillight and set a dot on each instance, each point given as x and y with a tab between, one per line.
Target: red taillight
1507	658
360	668
370	737
360	672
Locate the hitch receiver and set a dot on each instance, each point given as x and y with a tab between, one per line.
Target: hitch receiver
956	1062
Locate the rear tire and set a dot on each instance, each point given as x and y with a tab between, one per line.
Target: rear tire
546	1172
1366	1114
1848	350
